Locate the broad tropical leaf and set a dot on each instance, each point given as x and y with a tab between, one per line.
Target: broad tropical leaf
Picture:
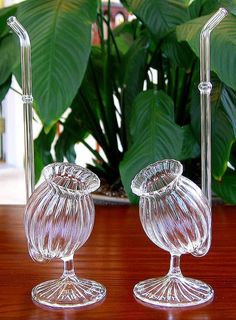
42	151
133	63
226	188
191	148
232	159
222	140
222	129
60	31
72	133
179	53
203	7
228	98
125	34
223	36
4	88
154	132
158	15
5	13
10	57
88	105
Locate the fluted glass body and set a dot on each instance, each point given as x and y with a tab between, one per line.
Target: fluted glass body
59	218
176	216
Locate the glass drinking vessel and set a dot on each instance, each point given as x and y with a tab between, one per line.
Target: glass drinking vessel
59	218
176	216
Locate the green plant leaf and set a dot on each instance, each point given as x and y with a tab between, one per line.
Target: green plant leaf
125	34
60	32
154	132
4	88
223	36
72	133
10	57
134	62
191	147
42	150
222	129
180	54
158	15
5	13
196	8
222	132
88	122
64	148
203	7
88	105
226	187
228	98
222	140
232	159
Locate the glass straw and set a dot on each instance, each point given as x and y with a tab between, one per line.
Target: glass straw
27	99
205	87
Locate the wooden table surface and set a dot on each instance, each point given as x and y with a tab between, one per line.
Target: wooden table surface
118	254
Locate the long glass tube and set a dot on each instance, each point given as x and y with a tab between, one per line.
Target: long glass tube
27	99
205	87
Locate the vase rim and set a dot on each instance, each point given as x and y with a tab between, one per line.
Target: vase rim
139	183
87	180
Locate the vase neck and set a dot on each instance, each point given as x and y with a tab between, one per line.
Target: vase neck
157	178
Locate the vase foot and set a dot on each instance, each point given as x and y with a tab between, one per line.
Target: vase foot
68	292
173	291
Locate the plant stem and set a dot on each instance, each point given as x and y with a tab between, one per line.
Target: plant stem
176	86
13	89
111	120
181	115
94	152
99	136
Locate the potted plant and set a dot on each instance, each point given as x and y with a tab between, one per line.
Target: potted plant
110	90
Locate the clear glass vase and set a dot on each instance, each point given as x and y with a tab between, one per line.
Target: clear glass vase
59	218
176	216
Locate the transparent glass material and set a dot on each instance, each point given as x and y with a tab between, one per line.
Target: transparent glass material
59	218
205	88
27	99
175	216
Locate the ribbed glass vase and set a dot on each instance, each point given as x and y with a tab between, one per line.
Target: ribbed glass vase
59	218
176	216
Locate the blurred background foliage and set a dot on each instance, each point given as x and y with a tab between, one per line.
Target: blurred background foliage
134	89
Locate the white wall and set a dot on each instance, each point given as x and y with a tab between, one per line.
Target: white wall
10	2
13	138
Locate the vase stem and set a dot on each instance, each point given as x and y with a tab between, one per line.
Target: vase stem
174	266
68	267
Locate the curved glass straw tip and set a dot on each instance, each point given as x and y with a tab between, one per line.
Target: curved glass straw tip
215	19
17	27
11	20
14	24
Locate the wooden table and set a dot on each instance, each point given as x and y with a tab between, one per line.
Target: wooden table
118	254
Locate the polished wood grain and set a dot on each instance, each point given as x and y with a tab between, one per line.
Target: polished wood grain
118	254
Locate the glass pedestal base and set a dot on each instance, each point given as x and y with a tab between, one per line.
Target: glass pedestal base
173	291
68	292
